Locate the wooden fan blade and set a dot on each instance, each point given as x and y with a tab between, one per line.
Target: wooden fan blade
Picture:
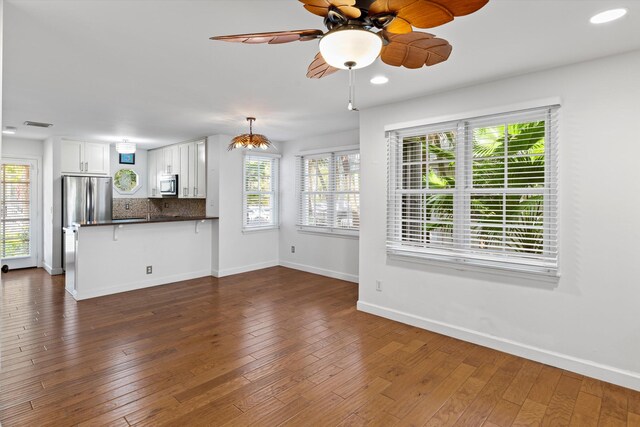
321	7
277	37
319	68
414	50
426	13
399	26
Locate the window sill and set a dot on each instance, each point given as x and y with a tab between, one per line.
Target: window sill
250	230
329	232
545	275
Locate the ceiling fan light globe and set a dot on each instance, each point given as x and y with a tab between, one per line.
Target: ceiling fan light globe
351	45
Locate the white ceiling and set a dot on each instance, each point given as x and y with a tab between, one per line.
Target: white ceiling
146	70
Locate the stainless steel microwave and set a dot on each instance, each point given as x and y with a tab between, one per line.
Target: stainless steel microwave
169	185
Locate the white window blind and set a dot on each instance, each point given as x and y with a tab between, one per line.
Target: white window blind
260	192
329	192
15	210
481	191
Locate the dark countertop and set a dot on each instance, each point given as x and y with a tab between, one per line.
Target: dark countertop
152	220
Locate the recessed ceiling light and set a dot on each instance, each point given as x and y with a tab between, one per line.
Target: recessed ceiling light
379	80
608	16
9	130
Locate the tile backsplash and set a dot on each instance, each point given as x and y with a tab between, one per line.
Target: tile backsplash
139	208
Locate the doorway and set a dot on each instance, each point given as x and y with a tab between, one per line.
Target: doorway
18	213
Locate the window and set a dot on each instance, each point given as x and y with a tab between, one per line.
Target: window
329	192
126	181
260	195
15	212
479	192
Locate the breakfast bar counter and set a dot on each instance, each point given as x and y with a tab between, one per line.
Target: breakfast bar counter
109	257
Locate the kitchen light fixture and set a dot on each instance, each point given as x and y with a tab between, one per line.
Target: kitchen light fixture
250	140
608	16
379	80
350	47
9	130
125	147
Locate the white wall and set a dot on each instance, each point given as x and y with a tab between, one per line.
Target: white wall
22	147
52	201
333	256
31	149
140	168
588	322
237	251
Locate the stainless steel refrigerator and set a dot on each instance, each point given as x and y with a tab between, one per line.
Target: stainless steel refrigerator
85	199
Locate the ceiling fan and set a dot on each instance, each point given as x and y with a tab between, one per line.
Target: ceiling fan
361	30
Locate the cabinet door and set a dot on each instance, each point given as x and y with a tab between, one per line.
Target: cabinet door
152	173
171	160
200	190
72	161
96	158
186	172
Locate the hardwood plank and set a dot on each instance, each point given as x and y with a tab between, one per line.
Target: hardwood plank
531	414
562	402
545	385
633	419
587	410
504	413
614	402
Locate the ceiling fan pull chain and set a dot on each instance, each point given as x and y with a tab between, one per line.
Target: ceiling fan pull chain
352	87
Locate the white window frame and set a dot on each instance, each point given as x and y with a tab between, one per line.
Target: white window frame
32	260
274	192
547	269
302	220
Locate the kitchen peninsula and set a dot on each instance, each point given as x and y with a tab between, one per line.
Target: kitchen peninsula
109	257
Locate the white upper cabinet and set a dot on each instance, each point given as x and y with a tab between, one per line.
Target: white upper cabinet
96	158
192	179
171	156
187	170
85	157
200	191
72	160
188	161
152	177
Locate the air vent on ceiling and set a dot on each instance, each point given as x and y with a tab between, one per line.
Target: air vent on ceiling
38	124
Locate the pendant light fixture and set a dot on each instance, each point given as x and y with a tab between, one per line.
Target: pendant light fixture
125	147
250	140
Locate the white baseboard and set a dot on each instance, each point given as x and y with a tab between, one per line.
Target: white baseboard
132	286
52	271
589	368
321	271
243	269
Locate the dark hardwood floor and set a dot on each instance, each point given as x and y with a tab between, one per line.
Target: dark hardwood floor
271	347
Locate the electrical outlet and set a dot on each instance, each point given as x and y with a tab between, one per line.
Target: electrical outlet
149	269
293	249
126	206
166	205
378	286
